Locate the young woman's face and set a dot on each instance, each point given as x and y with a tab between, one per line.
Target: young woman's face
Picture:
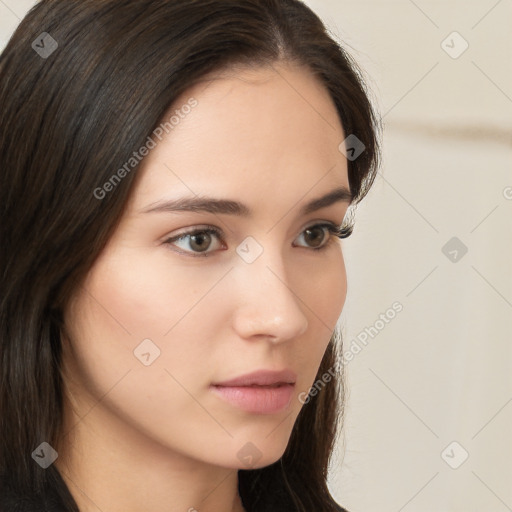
164	315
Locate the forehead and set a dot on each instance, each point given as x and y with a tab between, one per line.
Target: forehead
270	132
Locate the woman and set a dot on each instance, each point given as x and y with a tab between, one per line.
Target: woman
174	179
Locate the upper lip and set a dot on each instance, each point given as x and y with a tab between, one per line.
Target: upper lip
261	378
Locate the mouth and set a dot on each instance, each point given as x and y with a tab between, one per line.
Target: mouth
256	398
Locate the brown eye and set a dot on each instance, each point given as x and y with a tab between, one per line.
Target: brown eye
317	236
200	241
196	242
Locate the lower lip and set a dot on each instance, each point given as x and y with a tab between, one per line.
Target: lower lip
257	399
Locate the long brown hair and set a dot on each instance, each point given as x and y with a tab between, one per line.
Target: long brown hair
83	83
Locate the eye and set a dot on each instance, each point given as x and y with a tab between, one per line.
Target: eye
319	233
197	242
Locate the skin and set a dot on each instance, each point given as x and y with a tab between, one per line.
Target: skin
155	437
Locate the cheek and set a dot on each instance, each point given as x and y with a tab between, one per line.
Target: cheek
123	303
325	291
141	293
323	294
137	296
329	300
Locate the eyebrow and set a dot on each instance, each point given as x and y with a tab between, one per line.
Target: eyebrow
230	207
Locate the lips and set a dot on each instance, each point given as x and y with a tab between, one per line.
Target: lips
261	378
260	392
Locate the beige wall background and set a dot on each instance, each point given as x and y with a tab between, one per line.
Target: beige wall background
440	372
429	407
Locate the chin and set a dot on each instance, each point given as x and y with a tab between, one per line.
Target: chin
254	455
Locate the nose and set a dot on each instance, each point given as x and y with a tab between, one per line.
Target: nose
267	305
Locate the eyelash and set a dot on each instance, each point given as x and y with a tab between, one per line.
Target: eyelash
334	230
